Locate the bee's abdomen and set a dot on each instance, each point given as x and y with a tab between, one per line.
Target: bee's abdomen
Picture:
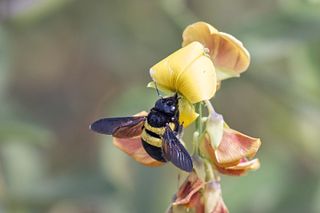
152	139
153	151
152	135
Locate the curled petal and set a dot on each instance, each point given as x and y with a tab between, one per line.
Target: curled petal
188	191
228	54
199	31
241	168
187	112
133	147
187	71
235	146
198	196
232	155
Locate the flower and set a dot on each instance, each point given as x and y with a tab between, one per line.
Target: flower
133	147
234	154
198	195
189	193
228	54
189	72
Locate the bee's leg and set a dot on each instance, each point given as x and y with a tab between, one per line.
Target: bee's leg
180	130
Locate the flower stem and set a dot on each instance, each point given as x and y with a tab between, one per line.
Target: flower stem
209	172
199	119
195	142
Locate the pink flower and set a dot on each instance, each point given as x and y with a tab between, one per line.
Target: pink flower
234	153
198	195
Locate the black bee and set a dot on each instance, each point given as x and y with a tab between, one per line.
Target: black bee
159	132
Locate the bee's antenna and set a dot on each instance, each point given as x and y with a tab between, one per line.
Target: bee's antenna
155	83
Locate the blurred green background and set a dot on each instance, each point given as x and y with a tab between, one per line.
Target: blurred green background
65	63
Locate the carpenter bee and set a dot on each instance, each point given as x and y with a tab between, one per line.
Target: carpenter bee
159	130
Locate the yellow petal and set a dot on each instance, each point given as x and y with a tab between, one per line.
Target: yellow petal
161	88
187	112
198	82
228	54
166	71
187	71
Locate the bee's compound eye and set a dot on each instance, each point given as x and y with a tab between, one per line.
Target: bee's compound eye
169	102
172	108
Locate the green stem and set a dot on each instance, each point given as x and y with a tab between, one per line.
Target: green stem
209	172
198	110
195	143
199	119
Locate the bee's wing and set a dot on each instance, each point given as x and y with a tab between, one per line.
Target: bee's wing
175	152
123	127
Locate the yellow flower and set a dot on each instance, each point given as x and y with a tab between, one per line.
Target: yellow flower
234	154
228	54
189	72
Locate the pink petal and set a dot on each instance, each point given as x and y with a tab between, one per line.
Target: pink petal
133	147
235	146
188	191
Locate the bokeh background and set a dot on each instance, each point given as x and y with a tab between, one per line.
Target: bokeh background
65	63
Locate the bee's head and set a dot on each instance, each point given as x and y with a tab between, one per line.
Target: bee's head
168	105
